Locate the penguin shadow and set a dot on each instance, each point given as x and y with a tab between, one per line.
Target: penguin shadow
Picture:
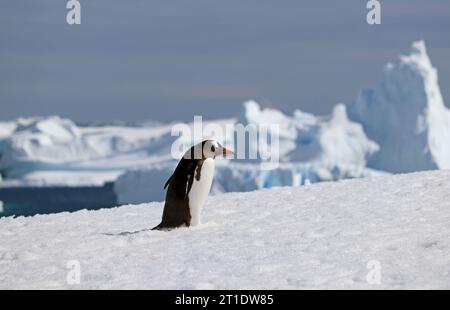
128	233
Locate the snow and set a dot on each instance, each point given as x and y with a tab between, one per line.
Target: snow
406	116
325	235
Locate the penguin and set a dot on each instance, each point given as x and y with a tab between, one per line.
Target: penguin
189	185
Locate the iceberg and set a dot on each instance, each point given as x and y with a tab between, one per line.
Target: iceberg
406	116
54	147
402	125
312	150
303	137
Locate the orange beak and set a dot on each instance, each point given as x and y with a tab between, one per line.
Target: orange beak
227	152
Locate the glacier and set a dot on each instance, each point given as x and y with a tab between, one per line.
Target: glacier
402	125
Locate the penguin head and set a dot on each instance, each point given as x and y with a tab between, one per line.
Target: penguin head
212	148
207	149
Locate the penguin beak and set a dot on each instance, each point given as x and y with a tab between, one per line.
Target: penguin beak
227	152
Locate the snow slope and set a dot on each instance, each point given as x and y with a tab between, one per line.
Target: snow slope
317	236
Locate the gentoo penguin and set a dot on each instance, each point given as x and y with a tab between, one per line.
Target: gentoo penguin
189	185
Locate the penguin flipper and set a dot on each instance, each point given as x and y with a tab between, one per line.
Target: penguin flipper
189	184
168	181
189	176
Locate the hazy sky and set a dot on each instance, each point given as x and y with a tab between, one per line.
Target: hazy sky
172	59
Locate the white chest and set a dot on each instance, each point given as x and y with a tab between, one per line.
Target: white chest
200	190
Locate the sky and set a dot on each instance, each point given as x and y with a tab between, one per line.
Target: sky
168	60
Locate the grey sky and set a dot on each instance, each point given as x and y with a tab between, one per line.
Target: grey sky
171	59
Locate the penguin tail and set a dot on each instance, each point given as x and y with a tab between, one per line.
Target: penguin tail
163	227
158	227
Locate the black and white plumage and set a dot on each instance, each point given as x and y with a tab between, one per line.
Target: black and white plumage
189	185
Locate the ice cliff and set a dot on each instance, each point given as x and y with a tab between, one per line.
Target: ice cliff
406	116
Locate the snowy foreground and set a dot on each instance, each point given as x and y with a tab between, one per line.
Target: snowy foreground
316	236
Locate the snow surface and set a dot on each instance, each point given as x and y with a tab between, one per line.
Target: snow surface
317	236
